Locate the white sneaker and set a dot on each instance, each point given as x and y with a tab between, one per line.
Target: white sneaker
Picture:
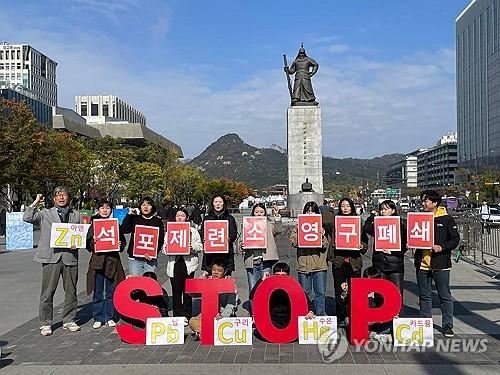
96	325
186	322
111	323
71	326
46	330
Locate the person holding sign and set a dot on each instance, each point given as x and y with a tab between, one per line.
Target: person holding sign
346	264
435	264
228	302
56	262
105	268
390	263
218	211
312	264
138	265
182	267
258	262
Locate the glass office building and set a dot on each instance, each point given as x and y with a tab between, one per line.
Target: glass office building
478	85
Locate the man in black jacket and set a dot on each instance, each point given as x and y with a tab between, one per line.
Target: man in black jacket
435	264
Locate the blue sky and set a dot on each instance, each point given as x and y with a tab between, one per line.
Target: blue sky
202	69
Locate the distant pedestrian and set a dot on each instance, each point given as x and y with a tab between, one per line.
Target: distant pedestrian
3	222
485	217
56	262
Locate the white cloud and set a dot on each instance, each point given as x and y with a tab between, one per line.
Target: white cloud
337	48
370	107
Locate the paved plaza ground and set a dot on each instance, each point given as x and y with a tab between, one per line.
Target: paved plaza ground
24	351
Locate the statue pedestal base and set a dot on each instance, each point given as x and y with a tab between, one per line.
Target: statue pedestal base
305	156
296	202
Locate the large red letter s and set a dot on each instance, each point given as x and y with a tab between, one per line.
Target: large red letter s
298	304
129	308
362	314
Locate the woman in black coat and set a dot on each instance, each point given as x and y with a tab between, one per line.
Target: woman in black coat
390	263
218	211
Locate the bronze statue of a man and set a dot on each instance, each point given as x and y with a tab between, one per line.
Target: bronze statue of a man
304	68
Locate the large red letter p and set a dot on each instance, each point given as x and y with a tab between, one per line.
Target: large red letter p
362	314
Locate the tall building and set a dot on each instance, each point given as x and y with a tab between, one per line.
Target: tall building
101	109
436	165
41	111
23	66
478	84
404	172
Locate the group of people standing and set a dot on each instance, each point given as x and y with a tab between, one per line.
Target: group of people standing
106	270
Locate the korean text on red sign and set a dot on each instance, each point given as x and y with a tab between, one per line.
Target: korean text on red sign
145	241
347	232
420	230
309	231
178	238
216	233
106	235
387	233
255	232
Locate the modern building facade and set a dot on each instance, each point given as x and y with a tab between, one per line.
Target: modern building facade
404	172
24	66
478	84
102	109
436	165
41	111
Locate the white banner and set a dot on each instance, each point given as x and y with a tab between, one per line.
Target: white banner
165	331
233	331
413	332
321	329
66	235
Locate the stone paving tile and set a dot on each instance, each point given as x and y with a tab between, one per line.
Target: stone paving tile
243	355
215	354
200	354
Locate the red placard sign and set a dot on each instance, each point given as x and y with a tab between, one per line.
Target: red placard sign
387	233
255	232
178	238
106	235
216	233
309	231
420	231
347	232
145	241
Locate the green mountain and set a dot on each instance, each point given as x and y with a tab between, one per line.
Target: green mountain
231	157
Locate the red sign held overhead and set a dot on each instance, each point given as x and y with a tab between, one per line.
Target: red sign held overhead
347	232
145	241
255	232
178	238
216	234
387	233
420	231
309	230
106	235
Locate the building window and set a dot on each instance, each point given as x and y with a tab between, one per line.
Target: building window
83	111
105	110
94	109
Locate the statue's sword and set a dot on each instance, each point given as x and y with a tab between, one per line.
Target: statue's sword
288	76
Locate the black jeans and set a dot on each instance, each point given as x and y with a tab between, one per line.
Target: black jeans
341	275
182	302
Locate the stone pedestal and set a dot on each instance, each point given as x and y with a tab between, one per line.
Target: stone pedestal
305	155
